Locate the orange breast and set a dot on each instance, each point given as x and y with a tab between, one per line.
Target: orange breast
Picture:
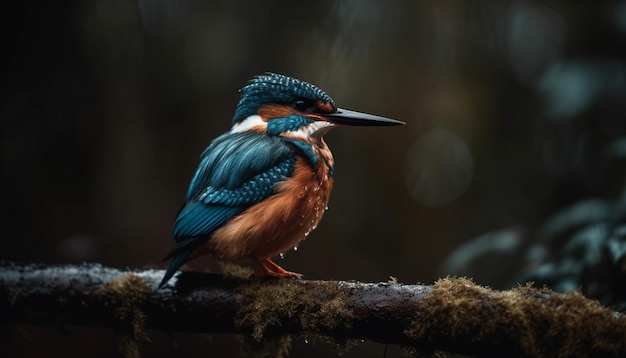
281	221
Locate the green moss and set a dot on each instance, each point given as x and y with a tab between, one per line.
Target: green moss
524	320
314	308
127	294
269	305
328	309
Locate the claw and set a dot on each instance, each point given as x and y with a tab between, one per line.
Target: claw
271	269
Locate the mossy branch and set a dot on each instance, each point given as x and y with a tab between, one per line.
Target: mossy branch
453	315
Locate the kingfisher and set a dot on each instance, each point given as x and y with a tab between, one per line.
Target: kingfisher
263	186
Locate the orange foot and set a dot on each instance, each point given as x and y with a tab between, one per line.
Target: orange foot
271	269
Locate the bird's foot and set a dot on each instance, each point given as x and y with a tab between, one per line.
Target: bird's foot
271	269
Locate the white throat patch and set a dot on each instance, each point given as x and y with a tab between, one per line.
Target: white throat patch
249	123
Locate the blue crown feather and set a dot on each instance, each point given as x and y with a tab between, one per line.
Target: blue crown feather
275	88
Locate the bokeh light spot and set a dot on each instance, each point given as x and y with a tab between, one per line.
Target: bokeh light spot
533	36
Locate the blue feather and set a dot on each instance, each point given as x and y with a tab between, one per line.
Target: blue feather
197	219
234	158
254	190
178	260
306	149
289	123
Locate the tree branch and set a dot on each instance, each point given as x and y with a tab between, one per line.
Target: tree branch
453	315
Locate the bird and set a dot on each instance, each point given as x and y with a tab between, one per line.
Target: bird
264	185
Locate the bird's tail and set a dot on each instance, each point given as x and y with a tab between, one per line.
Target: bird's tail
177	261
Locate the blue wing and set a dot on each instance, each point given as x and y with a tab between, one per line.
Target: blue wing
236	171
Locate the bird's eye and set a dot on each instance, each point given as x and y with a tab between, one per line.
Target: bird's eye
305	106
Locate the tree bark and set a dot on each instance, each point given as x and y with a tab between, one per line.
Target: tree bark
453	315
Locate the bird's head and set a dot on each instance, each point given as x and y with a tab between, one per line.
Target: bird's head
284	106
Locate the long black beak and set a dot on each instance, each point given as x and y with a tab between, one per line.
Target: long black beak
352	118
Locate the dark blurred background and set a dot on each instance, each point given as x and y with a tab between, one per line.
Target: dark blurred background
511	166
